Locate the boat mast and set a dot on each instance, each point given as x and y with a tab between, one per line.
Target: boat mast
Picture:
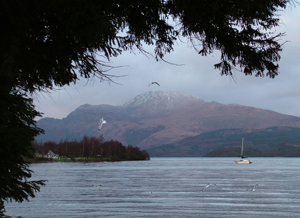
242	147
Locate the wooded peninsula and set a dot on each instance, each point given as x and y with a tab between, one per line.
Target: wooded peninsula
88	149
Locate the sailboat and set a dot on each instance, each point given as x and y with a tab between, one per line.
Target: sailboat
243	161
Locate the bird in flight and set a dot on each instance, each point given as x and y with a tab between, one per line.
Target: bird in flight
253	188
154	83
101	123
208	186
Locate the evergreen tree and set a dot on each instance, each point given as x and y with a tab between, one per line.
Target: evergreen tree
55	42
17	131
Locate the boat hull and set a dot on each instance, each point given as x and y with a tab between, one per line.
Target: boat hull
243	162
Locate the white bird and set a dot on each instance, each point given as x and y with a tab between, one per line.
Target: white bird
253	188
208	186
101	123
154	83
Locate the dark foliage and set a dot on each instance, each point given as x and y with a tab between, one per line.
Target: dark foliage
17	130
234	151
92	147
47	43
53	42
2	208
227	143
280	150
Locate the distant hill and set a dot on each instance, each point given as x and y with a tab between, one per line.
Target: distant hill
280	150
155	119
274	141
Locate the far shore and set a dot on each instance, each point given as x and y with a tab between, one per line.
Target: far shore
77	159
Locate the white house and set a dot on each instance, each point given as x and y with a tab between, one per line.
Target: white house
51	154
37	154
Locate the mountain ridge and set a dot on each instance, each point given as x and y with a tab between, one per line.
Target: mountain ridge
157	118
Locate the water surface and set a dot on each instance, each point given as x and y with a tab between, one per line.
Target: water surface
166	187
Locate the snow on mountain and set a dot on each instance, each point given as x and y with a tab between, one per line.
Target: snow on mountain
167	98
158	103
156	118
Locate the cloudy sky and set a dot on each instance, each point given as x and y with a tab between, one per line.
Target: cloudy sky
195	76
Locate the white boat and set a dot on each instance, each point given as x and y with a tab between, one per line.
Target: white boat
243	161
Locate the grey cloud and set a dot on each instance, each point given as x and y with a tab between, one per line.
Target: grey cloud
196	77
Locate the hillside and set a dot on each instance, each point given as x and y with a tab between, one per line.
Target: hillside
227	142
280	150
159	118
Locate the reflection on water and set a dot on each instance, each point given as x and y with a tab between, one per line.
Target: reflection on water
166	187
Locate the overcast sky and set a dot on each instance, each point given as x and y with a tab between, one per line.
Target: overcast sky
196	76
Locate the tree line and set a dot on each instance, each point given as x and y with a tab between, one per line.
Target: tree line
32	59
280	150
92	147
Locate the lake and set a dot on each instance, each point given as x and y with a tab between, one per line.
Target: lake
166	187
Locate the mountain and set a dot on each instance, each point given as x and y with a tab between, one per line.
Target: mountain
272	141
159	118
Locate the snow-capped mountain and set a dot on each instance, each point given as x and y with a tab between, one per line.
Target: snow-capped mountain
155	118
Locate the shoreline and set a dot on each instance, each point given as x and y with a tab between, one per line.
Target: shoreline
79	159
